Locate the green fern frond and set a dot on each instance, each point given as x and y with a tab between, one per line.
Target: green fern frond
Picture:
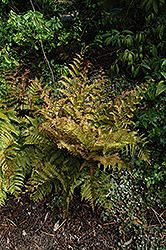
77	64
143	154
107	160
41	182
16	182
105	192
11	174
41	191
91	185
89	190
3	192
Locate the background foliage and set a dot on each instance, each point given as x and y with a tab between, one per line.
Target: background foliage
74	129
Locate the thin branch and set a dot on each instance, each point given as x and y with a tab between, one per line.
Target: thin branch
128	10
45	57
32	5
44	54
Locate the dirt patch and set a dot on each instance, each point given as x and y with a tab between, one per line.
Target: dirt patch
28	225
25	225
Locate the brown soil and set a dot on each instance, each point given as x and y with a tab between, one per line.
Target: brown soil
25	225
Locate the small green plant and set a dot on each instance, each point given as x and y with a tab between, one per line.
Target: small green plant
57	201
157	175
124	199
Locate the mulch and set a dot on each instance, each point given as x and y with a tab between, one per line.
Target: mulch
27	225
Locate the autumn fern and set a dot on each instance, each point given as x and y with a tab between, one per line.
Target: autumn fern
84	126
69	141
95	132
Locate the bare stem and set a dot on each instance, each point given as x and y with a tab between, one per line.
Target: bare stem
44	54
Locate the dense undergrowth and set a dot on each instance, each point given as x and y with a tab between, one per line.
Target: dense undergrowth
67	128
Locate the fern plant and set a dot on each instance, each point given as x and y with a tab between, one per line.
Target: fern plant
84	125
18	101
85	132
66	142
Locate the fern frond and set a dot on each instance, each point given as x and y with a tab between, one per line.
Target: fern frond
11	173
89	190
16	182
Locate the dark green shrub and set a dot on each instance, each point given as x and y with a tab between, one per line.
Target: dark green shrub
138	39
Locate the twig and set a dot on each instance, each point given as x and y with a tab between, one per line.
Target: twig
162	213
151	226
32	5
46	216
85	234
157	216
98	233
110	223
127	11
45	57
44	54
12	222
59	242
61	224
22	222
14	6
88	23
38	218
81	206
37	246
53	235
